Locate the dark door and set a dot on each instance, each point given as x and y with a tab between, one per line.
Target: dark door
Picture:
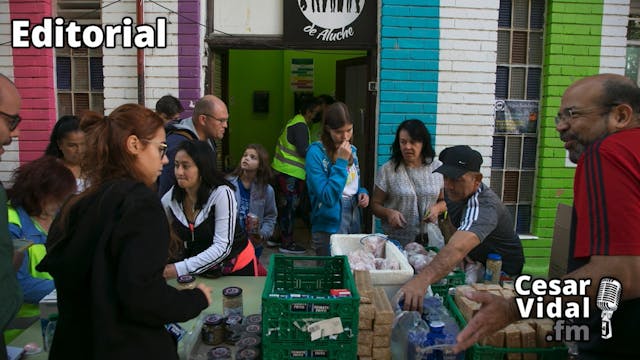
352	79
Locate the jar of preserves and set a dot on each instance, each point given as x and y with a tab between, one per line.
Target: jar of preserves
232	328
212	330
219	353
232	301
493	268
248	354
186	282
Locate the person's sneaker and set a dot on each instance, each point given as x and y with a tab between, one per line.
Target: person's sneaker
273	242
292	249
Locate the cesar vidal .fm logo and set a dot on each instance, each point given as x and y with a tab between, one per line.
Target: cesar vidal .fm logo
531	304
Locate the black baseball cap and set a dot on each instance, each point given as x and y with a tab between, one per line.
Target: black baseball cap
457	160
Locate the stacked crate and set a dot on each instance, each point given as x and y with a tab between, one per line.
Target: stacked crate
375	320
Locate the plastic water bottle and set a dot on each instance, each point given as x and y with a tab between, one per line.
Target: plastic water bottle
49	331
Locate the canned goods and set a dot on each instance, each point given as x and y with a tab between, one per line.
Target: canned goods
212	330
232	301
252	224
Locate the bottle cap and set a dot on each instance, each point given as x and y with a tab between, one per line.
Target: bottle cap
437	324
231	291
494	256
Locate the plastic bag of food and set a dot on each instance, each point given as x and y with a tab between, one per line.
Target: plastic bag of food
374	244
361	260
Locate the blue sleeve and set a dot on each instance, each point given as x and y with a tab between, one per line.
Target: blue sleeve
168	178
325	186
33	289
270	213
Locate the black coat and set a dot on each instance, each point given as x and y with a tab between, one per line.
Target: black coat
107	257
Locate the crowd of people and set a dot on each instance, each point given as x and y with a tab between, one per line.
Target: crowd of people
156	177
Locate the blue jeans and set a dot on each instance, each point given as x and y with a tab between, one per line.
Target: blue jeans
349	224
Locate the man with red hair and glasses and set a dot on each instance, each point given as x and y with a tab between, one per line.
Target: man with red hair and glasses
209	120
599	123
10	294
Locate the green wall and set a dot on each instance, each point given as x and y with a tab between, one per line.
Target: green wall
572	51
269	70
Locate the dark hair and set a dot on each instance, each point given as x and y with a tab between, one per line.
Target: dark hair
335	116
42	179
108	158
418	132
325	99
203	156
306	102
264	173
169	105
65	125
621	90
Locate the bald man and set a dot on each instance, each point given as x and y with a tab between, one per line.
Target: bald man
209	121
599	123
10	294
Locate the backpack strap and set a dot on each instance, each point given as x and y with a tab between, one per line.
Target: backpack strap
181	132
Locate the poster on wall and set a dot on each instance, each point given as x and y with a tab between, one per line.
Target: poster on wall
516	116
330	23
302	75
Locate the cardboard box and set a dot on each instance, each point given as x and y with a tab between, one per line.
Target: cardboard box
560	245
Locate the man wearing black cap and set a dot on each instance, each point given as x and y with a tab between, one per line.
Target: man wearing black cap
484	225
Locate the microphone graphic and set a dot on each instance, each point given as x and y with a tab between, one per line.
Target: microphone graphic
607	301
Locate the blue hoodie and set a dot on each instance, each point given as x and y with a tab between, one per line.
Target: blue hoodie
325	182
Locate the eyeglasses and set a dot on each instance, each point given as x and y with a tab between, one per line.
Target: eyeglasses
162	146
569	113
215	118
12	120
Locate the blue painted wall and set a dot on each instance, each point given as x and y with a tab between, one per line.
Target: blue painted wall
408	67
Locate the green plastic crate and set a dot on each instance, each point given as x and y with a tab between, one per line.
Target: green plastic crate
457	277
295	295
479	352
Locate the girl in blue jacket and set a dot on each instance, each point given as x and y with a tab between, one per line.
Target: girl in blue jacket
254	194
333	180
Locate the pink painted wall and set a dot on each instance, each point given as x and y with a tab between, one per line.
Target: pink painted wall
34	77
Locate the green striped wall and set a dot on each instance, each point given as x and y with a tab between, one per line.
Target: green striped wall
572	51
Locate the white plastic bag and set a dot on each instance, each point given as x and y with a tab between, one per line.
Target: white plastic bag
436	239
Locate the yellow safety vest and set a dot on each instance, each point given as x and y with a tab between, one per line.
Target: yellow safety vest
286	159
36	253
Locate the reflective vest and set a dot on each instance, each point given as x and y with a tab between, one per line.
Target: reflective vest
286	159
35	253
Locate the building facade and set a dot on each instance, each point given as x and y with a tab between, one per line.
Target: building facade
484	73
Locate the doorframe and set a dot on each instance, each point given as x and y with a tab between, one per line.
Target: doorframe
369	132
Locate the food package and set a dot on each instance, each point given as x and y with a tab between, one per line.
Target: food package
361	260
374	244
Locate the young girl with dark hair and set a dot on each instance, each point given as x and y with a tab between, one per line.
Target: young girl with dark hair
333	180
254	194
203	212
